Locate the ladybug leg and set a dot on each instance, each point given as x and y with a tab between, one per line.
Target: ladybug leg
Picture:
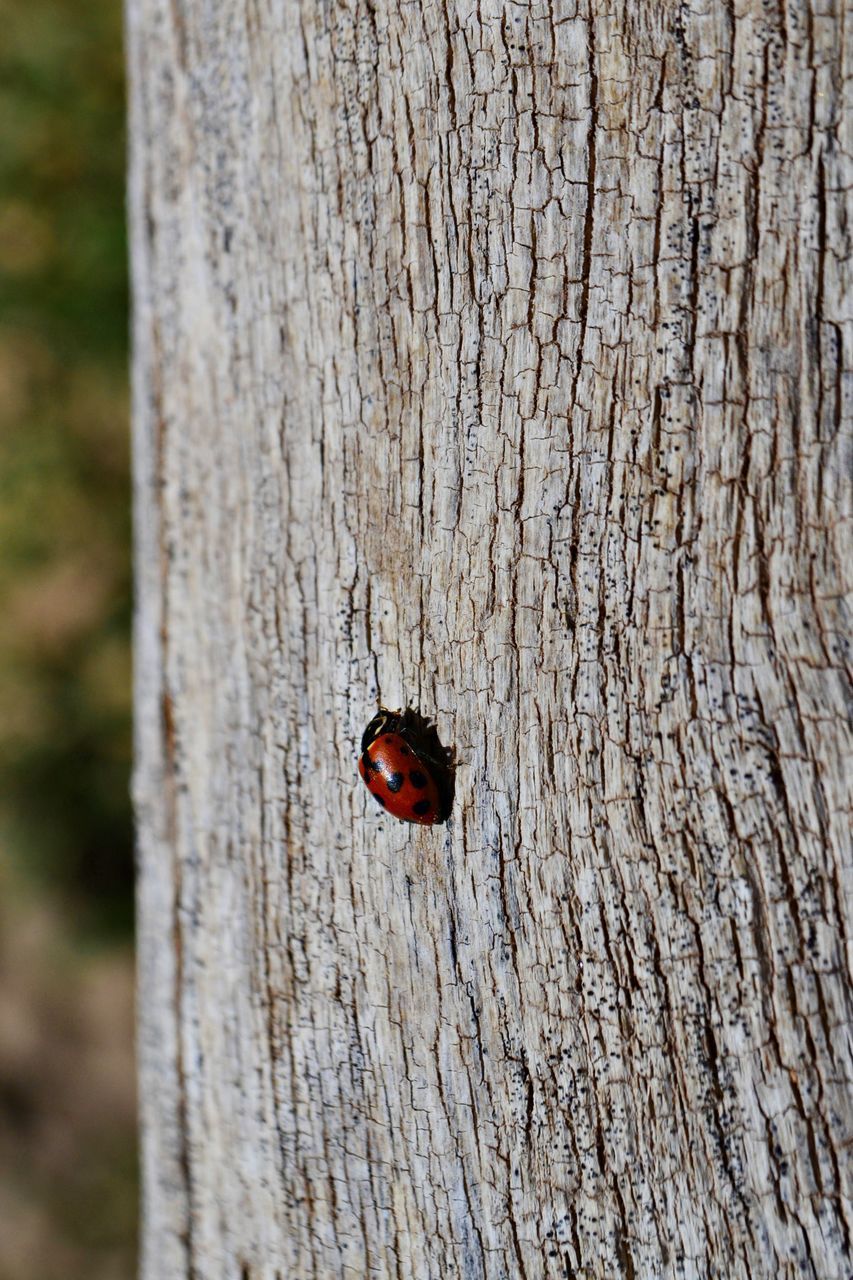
423	738
442	763
409	719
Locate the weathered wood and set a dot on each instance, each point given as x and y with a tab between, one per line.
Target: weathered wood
494	358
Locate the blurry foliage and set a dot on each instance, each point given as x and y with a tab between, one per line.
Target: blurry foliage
64	502
67	1110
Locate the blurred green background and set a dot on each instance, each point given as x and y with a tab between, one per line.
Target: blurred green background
67	1107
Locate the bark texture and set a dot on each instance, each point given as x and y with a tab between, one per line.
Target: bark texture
494	358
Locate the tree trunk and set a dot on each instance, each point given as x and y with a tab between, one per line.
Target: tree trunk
493	359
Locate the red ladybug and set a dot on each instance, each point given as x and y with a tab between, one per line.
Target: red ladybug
405	768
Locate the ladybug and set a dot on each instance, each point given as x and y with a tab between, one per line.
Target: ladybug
405	768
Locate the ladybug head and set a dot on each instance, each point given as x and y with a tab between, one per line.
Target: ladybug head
381	723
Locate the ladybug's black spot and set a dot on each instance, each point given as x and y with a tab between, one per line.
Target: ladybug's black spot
394	781
422	807
378	799
404	751
418	779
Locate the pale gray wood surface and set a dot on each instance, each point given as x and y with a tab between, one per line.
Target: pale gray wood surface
494	358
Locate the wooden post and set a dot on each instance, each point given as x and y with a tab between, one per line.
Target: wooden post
495	359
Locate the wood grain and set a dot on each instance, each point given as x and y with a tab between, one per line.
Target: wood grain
496	359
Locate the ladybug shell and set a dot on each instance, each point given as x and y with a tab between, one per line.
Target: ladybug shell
400	780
